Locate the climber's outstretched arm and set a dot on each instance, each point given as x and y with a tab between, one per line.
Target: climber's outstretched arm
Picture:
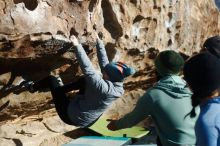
84	61
101	53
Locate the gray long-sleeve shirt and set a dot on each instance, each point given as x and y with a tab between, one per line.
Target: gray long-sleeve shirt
99	93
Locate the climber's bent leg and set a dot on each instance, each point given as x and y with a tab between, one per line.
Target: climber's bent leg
46	83
61	104
76	85
59	97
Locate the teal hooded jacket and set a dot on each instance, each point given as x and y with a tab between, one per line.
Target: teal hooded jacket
169	104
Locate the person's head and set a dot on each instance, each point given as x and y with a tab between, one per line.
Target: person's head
168	63
117	71
212	45
202	73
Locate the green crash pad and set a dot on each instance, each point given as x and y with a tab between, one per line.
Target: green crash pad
101	127
99	141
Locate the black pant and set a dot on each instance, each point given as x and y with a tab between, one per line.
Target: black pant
59	94
159	142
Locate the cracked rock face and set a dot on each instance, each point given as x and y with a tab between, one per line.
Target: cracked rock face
34	42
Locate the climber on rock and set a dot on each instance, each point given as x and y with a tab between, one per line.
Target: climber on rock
96	93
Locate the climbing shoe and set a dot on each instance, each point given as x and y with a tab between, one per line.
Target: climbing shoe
28	85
